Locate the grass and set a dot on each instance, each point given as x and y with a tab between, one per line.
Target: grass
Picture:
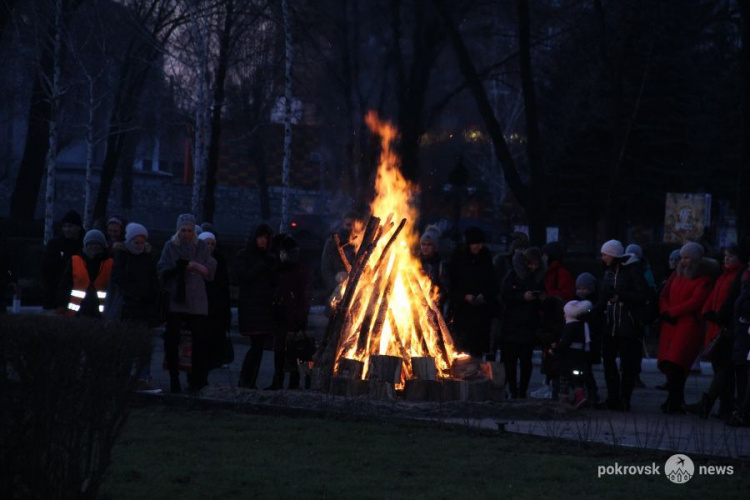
179	453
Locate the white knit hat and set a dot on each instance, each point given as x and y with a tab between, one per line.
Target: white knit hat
207	235
692	250
613	248
134	229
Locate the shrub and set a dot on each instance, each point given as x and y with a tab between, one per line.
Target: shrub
65	388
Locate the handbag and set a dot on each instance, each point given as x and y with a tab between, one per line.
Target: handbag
712	350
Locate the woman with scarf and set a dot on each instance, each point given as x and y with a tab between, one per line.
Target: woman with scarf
184	267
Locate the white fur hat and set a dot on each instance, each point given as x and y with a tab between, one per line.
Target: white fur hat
575	308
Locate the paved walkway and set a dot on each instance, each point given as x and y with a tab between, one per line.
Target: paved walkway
645	426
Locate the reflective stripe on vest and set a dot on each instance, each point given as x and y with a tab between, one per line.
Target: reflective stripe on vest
82	282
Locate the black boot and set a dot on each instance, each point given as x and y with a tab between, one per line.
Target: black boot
702	408
294	378
174	382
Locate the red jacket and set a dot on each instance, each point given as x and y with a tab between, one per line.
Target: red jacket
682	298
717	298
559	282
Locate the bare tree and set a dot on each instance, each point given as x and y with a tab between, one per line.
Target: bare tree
56	92
151	24
26	192
288	98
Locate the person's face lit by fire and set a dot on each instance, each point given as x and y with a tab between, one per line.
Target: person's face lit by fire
427	248
475	248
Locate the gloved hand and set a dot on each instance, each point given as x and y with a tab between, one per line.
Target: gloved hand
667	318
710	316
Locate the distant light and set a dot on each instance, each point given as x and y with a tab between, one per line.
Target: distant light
294	224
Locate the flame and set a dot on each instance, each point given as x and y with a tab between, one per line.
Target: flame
392	310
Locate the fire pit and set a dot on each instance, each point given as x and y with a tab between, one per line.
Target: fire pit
387	331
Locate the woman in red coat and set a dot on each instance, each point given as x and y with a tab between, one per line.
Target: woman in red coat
718	311
680	303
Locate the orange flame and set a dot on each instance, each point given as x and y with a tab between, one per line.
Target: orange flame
392	311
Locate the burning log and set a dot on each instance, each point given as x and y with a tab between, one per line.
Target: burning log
397	337
385	368
424	368
466	368
426	303
342	255
350	368
388	245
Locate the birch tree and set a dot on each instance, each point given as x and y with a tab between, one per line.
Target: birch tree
288	96
56	92
202	133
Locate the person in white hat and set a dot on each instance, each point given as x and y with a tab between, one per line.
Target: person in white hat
623	289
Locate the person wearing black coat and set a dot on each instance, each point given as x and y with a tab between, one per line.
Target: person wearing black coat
219	321
623	290
741	354
292	299
56	257
257	274
133	289
472	294
586	289
523	295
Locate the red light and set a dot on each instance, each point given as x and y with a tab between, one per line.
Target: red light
294	224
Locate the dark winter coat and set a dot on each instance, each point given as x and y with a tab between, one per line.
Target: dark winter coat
682	300
219	311
628	283
293	297
56	257
257	274
133	286
571	348
741	342
435	268
521	317
330	260
472	274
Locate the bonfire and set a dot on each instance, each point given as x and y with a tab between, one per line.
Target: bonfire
387	324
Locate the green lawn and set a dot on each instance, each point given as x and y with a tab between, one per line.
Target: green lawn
176	453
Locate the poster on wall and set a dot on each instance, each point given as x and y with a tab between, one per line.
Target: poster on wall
686	216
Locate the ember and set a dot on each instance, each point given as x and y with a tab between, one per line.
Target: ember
387	307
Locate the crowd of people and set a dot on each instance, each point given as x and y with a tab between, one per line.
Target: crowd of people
495	304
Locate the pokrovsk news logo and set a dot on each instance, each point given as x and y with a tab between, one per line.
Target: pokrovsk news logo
678	468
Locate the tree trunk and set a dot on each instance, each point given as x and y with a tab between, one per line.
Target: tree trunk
469	71
49	197
88	206
209	203
288	96
536	211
